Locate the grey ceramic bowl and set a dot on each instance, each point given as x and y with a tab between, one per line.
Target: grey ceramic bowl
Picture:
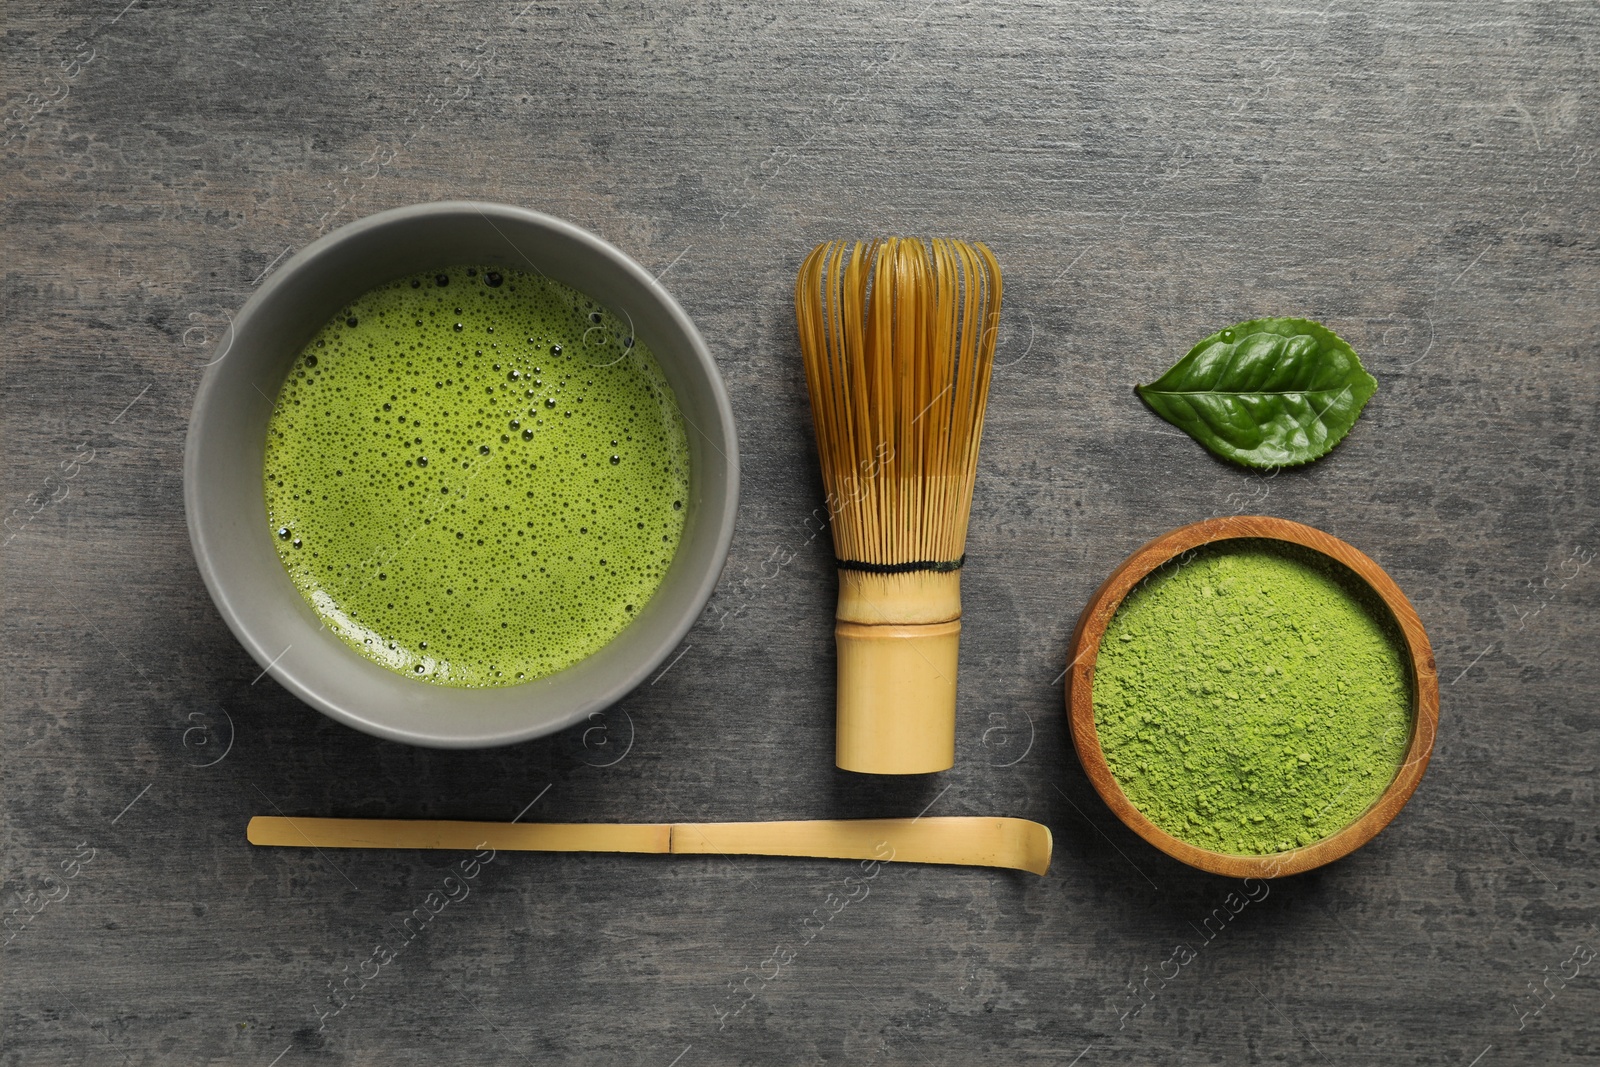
224	497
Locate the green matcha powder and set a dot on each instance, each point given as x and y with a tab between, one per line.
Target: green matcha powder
1252	697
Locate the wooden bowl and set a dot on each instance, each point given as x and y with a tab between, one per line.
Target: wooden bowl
1080	694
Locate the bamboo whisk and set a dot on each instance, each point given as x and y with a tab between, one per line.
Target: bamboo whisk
898	337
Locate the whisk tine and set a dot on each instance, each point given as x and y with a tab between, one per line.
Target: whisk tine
898	336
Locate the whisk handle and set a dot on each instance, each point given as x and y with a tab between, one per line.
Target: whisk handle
896	697
898	636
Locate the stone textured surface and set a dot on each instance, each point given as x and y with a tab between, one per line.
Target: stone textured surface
1420	176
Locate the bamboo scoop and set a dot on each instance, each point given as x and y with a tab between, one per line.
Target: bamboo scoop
1017	844
898	337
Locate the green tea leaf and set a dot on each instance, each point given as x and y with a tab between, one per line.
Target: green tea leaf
1265	393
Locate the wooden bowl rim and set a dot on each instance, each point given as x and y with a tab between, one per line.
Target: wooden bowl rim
1085	649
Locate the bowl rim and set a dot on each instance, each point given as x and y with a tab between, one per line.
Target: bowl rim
722	524
1085	649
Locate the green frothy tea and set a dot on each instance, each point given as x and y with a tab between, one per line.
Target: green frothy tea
1252	697
476	477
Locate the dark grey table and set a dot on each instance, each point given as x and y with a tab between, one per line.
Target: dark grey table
1422	177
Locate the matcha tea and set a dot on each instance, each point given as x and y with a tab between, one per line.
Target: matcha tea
476	477
1252	697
